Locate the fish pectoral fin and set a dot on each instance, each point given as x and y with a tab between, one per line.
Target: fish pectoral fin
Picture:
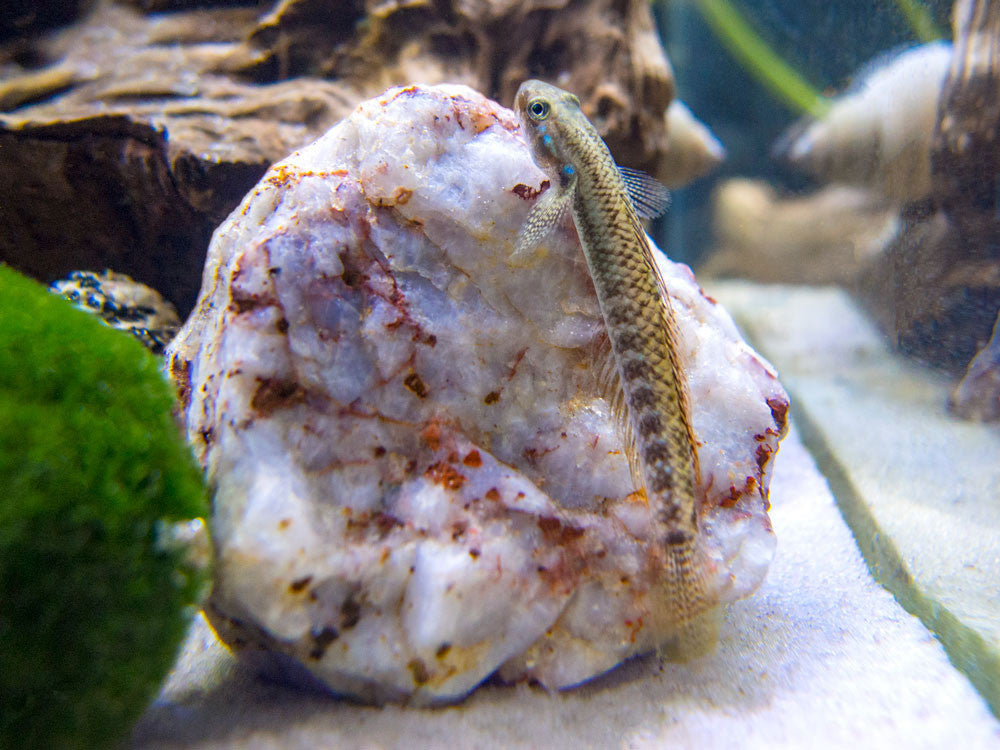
649	196
609	387
544	216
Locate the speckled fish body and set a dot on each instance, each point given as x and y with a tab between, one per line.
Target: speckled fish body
646	382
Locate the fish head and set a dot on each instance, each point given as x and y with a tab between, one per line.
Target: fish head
551	119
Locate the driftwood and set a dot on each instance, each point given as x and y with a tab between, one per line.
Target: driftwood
129	137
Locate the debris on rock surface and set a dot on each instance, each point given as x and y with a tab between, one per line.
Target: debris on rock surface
417	482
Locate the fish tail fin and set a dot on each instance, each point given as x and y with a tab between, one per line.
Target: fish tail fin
689	600
686	580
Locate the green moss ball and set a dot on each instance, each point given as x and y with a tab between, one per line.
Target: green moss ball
92	609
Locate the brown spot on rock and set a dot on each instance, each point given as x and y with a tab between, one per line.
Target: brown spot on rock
352	277
282	325
274	393
729	500
279	175
779	412
556	533
240	301
419	671
763	453
350	612
419	336
431	435
473	459
493	495
526	192
180	372
442	650
444	474
299	584
491	398
414	384
386	522
322	641
481	120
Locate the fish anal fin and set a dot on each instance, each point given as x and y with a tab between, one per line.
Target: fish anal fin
609	388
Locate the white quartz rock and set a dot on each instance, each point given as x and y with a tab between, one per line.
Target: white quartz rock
417	483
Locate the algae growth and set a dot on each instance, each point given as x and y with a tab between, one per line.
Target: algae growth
92	610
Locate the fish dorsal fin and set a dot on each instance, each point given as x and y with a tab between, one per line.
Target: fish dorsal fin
909	55
649	197
609	387
670	322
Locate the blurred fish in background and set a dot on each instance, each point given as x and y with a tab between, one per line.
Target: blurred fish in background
877	134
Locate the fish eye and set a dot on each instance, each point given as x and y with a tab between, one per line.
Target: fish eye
538	109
